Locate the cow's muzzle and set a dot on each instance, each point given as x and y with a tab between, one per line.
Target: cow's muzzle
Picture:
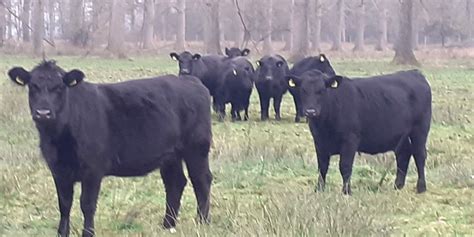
185	71
43	115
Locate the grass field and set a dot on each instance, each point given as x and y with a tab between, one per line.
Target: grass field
265	172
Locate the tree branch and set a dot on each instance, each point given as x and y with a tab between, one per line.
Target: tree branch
28	26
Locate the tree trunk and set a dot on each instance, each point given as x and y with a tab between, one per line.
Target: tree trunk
212	29
289	34
38	26
267	26
3	22
148	17
181	26
404	48
25	20
469	19
415	29
383	27
338	26
52	20
117	28
317	8
76	16
359	41
300	47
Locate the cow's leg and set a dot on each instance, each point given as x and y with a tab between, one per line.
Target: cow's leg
346	161
264	104
201	178
246	113
276	106
64	181
214	104
174	181
403	155
418	139
297	108
90	185
233	112
323	166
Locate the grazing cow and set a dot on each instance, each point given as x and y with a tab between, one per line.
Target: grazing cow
320	63
371	115
236	88
206	68
88	131
271	83
236	52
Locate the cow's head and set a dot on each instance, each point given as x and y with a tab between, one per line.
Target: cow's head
241	70
323	65
48	87
272	68
313	86
235	52
186	62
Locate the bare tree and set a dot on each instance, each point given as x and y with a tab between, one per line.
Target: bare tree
117	28
301	39
289	34
52	20
317	9
38	26
383	26
181	25
338	26
25	20
267	26
359	41
75	29
404	45
3	22
212	29
148	17
469	19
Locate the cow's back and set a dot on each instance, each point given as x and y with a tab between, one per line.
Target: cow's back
156	116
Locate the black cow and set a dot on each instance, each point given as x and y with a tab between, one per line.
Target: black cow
372	115
238	79
271	83
236	52
88	131
206	68
320	63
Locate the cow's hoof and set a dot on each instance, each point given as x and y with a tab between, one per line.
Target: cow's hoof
421	187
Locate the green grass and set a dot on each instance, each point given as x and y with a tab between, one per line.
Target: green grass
265	172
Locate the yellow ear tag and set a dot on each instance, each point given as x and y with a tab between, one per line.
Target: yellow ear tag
321	58
19	81
234	72
291	83
334	84
73	83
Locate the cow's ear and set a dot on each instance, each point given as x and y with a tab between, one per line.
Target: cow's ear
245	52
293	81
19	75
227	51
174	56
73	78
333	82
196	56
322	58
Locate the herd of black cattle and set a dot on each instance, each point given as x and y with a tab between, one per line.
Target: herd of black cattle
88	131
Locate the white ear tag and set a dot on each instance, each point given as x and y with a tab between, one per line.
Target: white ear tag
73	83
291	83
19	81
174	58
334	84
234	72
321	58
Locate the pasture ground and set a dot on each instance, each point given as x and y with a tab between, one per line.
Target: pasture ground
265	172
